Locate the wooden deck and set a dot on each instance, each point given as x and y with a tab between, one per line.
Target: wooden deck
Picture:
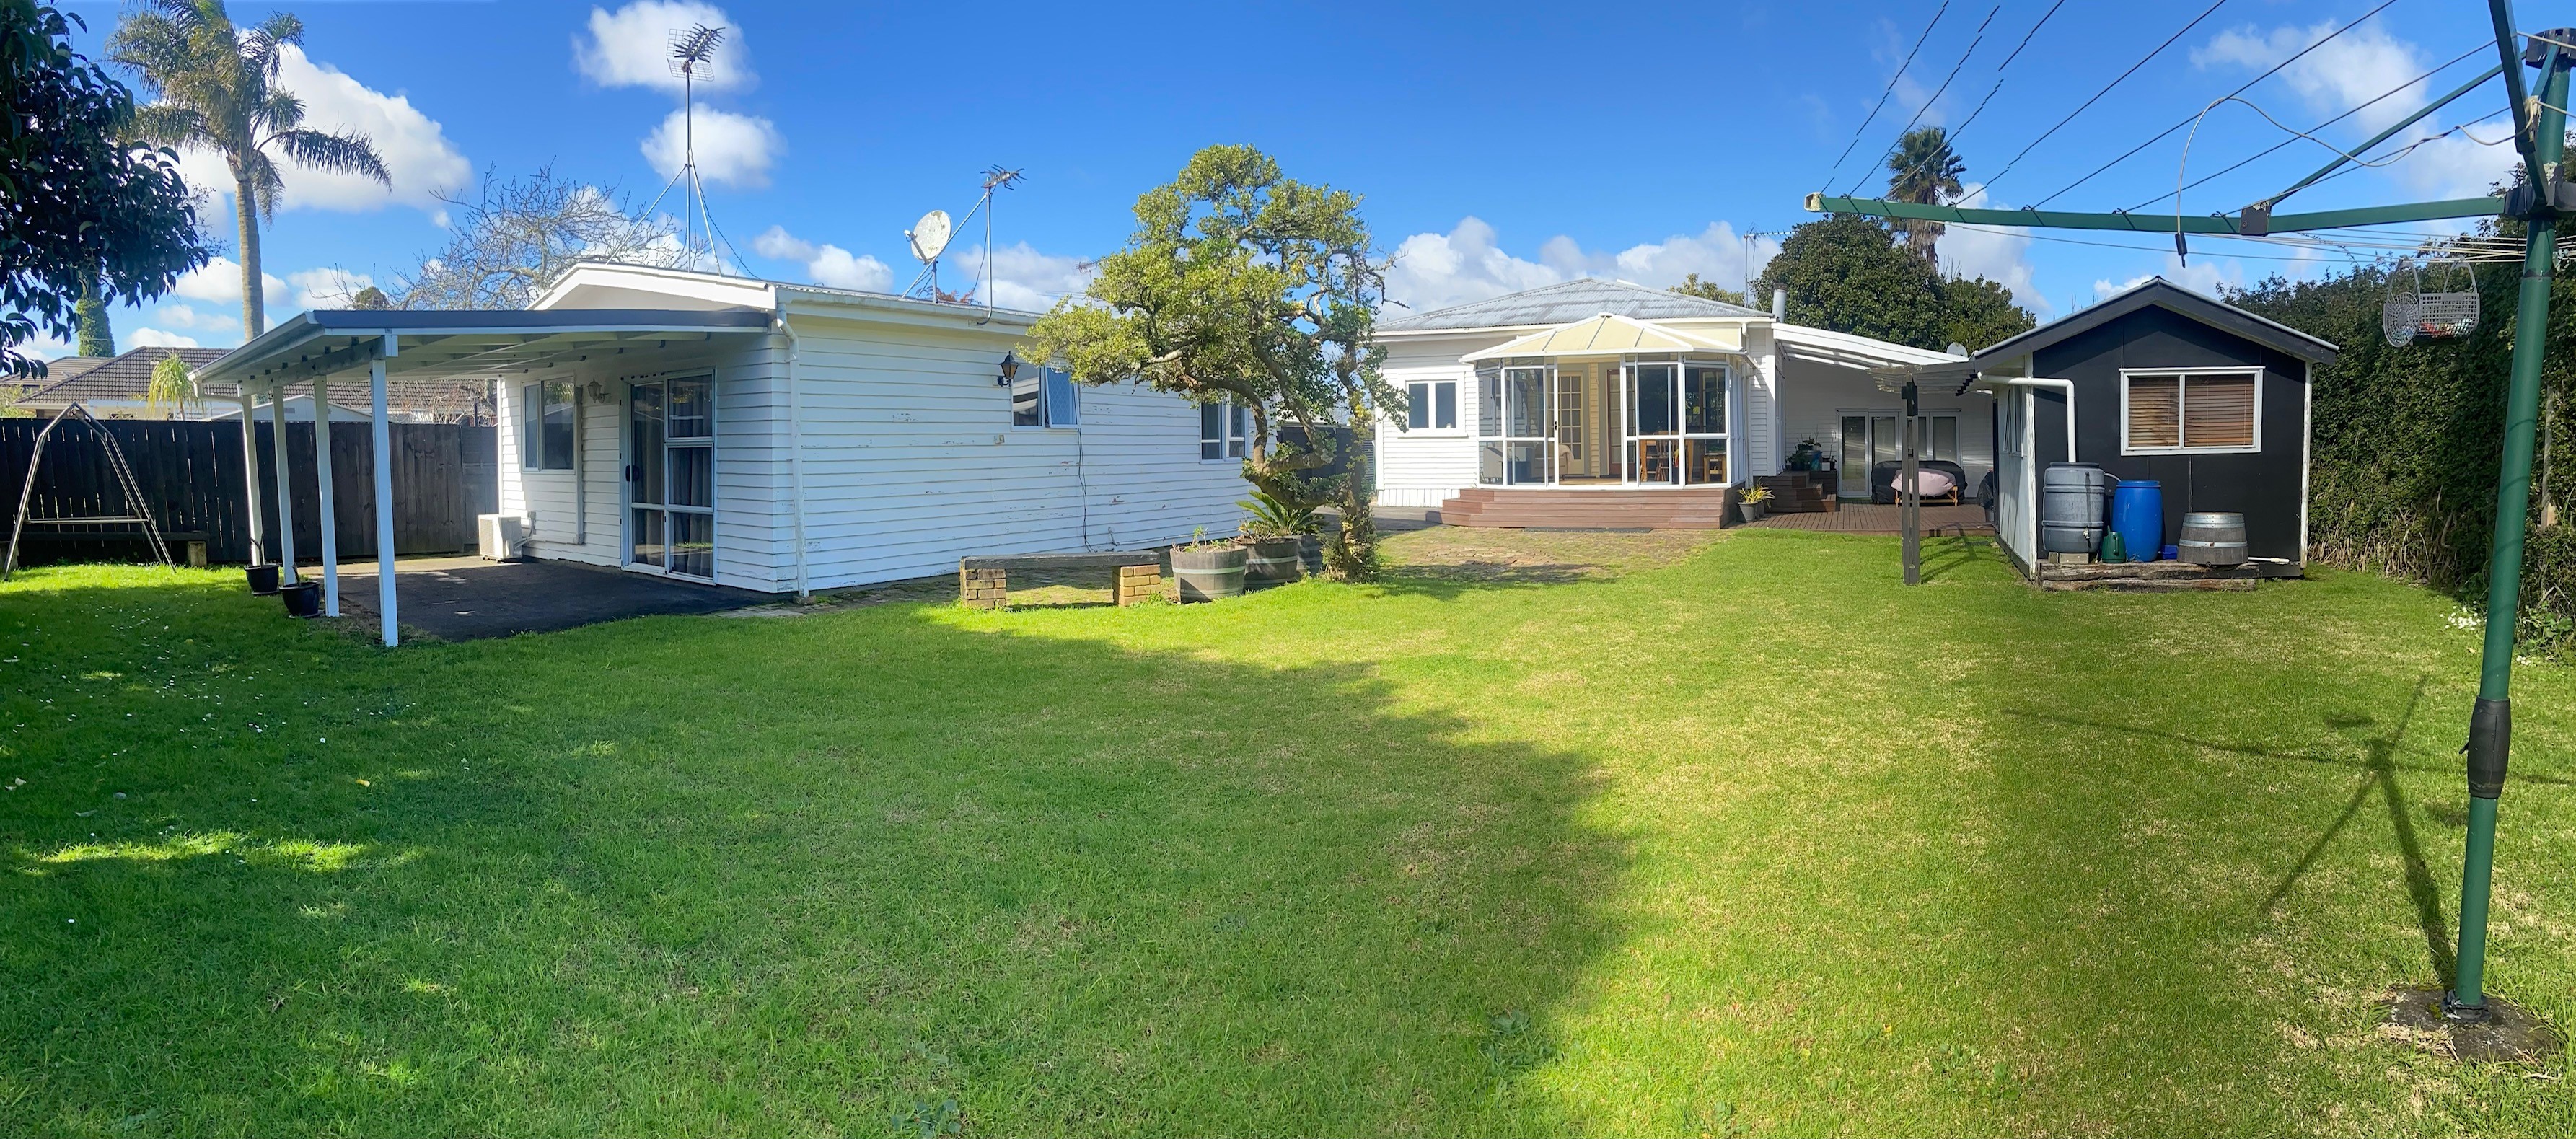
1872	518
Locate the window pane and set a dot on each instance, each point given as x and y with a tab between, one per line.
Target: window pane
1855	447
644	443
1211	431
1489	403
1445	411
693	479
2155	411
1064	402
1884	443
1653	460
693	544
1239	429
532	419
1489	463
1704	462
1024	402
1654	397
1704	399
1945	437
555	441
1528	463
2218	411
1525	402
1417	406
648	537
692	410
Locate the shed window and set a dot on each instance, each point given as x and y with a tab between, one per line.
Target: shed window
2190	411
545	427
1047	399
1431	406
1224	430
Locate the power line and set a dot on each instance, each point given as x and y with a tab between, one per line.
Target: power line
1882	96
2187	120
2106	89
2268	151
1998	84
1937	92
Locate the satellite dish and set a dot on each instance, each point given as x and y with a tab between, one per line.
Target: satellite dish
929	235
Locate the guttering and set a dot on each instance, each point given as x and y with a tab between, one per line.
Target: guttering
795	446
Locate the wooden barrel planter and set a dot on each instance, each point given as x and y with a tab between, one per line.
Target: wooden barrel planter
2213	539
1209	575
263	579
1271	561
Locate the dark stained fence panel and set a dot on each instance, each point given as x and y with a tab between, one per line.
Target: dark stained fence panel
191	473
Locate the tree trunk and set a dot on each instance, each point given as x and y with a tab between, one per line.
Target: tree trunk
96	337
254	305
1353	553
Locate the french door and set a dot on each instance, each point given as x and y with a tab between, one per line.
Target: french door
1677	424
670	474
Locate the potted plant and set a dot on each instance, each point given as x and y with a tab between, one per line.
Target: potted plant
263	579
303	598
1805	456
1274	540
1208	570
1751	503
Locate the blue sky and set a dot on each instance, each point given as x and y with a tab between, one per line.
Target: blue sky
1497	146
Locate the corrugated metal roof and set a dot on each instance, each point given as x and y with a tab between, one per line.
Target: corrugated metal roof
1566	302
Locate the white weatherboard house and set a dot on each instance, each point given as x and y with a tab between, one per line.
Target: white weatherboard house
775	437
1594	385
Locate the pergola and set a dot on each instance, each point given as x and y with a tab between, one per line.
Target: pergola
313	347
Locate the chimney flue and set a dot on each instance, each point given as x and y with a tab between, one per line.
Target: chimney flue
1780	305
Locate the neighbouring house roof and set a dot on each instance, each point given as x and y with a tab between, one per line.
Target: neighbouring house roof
2156	292
1566	302
125	377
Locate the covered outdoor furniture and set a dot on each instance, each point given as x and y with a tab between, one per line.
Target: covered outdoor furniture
1882	479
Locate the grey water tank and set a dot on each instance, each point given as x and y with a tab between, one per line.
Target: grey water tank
2074	506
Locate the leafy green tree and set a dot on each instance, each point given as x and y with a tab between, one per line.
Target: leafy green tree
217	88
89	313
80	211
1242	285
1925	171
1850	274
1977	312
1692	286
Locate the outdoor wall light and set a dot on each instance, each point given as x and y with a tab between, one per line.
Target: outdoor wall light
1010	369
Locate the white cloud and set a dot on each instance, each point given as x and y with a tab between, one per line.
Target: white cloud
220	281
826	264
42	346
1435	270
414	147
187	316
631	47
2206	276
1999	255
735	150
155	338
326	288
1024	278
2354	68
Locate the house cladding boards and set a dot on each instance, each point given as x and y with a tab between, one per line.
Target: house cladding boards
2266	485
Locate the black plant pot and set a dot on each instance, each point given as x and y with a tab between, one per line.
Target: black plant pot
263	579
303	599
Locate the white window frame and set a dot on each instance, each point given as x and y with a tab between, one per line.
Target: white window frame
1054	414
1431	417
1237	446
532	427
2182	411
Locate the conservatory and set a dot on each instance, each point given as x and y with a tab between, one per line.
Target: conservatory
1609	401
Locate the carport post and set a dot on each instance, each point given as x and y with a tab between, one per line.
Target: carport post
250	476
384	455
285	483
330	520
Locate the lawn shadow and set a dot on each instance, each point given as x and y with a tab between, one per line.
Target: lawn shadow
1946	554
689	874
2420	888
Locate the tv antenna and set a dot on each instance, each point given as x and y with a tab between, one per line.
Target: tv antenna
692	56
995	178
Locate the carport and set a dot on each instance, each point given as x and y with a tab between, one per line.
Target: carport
314	347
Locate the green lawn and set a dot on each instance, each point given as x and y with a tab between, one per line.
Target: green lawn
1750	842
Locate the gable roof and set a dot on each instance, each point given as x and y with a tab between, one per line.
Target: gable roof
1608	334
2156	292
1566	302
126	376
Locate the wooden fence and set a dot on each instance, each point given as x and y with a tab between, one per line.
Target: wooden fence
191	473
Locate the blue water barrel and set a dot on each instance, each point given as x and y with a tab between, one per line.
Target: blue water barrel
2138	513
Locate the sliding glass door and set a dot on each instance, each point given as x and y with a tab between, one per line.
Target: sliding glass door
671	452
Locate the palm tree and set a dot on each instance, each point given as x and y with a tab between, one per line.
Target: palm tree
216	86
1925	171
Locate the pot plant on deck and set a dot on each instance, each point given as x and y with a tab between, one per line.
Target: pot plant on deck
1206	570
1275	535
1751	504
